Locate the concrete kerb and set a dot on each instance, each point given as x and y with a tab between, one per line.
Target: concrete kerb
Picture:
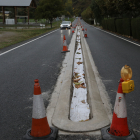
58	109
103	93
55	95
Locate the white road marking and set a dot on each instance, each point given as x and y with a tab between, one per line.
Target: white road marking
114	35
118	37
27	43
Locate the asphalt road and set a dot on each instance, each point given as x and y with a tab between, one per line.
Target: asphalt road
110	54
40	59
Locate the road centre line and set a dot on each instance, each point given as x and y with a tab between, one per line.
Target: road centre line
27	43
114	35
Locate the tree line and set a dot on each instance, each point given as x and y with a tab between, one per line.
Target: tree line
101	9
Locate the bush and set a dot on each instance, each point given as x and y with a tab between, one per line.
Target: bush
111	25
135	27
119	26
127	26
138	28
104	24
89	21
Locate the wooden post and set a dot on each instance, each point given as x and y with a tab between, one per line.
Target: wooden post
28	15
3	14
15	15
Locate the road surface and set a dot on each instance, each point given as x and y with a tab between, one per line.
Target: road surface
40	59
110	54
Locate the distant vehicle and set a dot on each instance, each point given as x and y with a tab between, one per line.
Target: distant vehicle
70	23
65	24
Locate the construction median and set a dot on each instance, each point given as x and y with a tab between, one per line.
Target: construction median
59	109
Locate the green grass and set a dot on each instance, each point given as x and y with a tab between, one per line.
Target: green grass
24	34
21	35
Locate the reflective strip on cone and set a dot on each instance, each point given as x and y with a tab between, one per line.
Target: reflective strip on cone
38	107
64	43
120	106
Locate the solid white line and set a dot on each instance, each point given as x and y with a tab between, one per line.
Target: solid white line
119	37
27	43
113	35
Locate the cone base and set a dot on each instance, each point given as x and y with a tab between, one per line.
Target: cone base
119	126
40	127
85	35
107	136
51	136
65	51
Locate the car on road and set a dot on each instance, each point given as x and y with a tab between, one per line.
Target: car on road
65	24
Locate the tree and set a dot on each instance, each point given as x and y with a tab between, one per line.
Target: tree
68	8
88	13
97	11
49	9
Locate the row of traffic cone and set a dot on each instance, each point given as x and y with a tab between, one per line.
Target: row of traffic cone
65	48
41	130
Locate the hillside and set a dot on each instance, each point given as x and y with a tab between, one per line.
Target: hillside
80	5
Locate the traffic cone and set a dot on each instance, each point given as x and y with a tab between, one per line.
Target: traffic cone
83	28
85	32
72	30
65	49
119	128
40	127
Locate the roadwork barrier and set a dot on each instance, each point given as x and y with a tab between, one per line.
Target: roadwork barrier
59	108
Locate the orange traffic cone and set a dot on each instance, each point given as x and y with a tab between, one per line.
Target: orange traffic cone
85	32
72	30
65	49
119	127
40	127
83	28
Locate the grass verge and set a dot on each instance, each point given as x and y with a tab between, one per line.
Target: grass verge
12	36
